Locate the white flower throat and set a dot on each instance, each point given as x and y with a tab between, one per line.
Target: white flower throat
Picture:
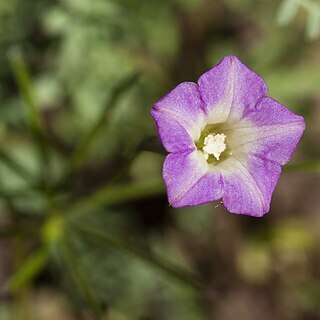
214	145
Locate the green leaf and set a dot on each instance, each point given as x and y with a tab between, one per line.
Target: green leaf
110	241
287	11
313	25
79	275
15	166
78	158
21	75
111	195
28	270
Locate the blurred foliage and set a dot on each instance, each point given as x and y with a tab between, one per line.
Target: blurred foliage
86	231
289	9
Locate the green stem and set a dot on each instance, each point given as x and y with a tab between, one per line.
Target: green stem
21	75
28	270
118	244
22	78
111	195
78	157
311	6
16	167
79	275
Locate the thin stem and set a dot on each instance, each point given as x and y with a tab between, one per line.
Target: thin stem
22	78
16	167
78	157
168	268
28	270
111	195
79	275
311	6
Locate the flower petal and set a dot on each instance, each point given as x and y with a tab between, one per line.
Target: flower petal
271	131
188	180
230	89
173	135
180	117
248	185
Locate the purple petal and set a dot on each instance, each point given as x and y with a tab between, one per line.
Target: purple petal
180	117
189	181
173	135
273	133
248	185
230	89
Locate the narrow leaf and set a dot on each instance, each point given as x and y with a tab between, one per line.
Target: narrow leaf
111	195
21	75
313	25
28	270
78	158
103	239
15	166
78	273
287	11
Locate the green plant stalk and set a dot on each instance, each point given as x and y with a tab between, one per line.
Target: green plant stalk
22	78
16	167
21	75
78	157
20	310
166	267
311	6
28	270
112	195
78	273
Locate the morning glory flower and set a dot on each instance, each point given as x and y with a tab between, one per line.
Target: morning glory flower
226	139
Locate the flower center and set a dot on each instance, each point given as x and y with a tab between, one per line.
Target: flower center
213	144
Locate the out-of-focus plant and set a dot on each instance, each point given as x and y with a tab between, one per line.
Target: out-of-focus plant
62	221
289	9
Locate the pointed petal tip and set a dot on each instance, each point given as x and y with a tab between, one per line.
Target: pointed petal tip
232	58
182	89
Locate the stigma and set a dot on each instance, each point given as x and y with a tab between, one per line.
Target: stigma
214	144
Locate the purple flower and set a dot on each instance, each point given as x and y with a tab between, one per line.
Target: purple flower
226	139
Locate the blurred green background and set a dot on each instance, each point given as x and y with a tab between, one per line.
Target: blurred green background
85	228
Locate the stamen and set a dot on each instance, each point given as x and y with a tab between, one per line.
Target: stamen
214	145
